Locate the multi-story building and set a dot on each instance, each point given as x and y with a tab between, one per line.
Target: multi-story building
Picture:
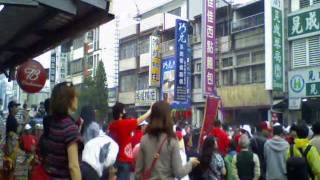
77	58
240	68
240	62
134	53
304	73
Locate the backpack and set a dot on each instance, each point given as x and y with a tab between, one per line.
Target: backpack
298	167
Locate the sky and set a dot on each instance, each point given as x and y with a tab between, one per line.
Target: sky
126	10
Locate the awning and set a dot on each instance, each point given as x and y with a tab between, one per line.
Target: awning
29	28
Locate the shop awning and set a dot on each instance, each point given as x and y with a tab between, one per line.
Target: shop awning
29	28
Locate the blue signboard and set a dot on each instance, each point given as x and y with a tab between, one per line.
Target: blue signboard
168	69
182	41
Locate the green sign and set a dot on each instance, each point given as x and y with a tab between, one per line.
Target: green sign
304	24
277	49
313	89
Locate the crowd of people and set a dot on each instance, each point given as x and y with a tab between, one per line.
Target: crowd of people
153	146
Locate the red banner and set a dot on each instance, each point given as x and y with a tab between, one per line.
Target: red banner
210	114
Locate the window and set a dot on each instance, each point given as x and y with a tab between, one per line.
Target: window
243	59
223	28
304	3
258	74
128	50
307	3
128	83
227	62
258	56
227	77
196	84
143	81
75	66
243	75
78	43
89	62
176	11
144	45
306	52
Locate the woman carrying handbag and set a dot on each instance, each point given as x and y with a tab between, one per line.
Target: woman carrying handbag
159	156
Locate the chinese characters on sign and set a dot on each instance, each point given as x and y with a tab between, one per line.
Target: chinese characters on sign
53	68
277	49
209	46
146	97
274	45
181	76
304	83
304	24
154	75
168	66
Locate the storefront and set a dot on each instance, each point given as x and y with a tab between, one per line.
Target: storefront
304	94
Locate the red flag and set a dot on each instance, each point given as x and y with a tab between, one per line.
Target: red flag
210	114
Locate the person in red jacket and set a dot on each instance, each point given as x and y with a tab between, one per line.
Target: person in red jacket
222	137
120	129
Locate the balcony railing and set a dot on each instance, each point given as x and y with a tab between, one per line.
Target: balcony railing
248	23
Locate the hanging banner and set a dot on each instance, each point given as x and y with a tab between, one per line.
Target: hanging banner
274	45
210	114
31	76
155	58
182	41
209	47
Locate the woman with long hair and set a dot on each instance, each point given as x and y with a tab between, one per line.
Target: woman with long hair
90	128
63	141
212	165
159	156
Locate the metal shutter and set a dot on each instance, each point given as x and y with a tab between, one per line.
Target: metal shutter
299	55
314	51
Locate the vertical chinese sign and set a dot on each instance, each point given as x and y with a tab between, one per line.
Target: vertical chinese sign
154	68
182	41
274	45
209	47
53	69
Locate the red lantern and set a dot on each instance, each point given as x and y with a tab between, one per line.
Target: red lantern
31	76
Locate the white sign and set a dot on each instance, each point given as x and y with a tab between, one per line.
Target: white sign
304	83
146	97
294	103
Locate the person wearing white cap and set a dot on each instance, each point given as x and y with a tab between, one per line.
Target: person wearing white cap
246	129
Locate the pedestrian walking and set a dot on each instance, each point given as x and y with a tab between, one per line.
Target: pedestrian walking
275	151
120	130
257	146
303	158
212	166
245	165
221	137
90	128
315	141
159	156
63	142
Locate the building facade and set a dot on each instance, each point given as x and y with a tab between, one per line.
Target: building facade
304	71
135	53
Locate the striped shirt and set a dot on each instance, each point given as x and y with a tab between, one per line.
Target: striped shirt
62	133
